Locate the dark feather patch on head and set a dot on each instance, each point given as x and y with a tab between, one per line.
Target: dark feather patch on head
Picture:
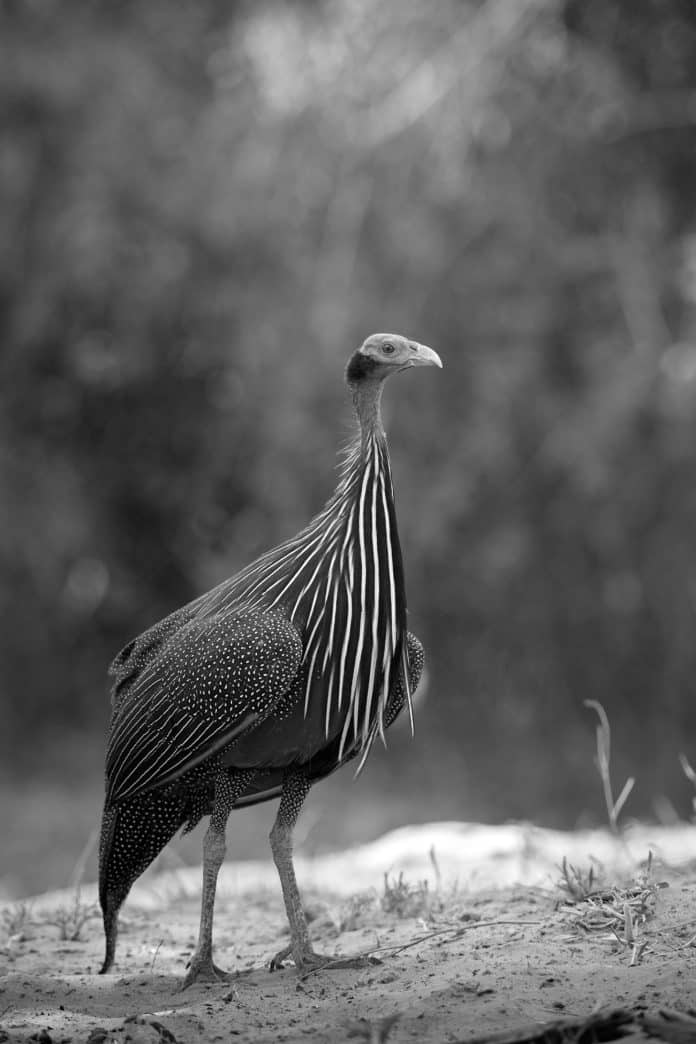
360	367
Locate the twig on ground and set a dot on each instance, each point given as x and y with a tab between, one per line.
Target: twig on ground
454	931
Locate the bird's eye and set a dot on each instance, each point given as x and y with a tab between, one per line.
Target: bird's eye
388	348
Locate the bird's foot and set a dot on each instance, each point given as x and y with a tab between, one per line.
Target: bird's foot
203	969
308	961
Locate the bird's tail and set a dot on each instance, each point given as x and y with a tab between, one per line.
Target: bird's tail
133	833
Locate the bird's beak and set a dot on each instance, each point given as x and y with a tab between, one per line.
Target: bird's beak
424	356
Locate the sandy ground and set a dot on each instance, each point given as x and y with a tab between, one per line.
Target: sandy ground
473	934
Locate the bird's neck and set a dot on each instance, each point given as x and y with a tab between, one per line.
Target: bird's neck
340	582
367	402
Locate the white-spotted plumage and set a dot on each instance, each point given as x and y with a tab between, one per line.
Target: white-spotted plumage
270	681
344	566
333	594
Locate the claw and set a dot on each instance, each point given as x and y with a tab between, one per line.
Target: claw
277	962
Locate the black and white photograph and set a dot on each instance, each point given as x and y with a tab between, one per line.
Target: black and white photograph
348	521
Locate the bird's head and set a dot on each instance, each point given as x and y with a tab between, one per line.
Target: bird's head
383	354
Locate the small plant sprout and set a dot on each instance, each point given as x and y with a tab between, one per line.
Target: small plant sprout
407	900
357	911
630	937
577	883
70	920
603	760
16	918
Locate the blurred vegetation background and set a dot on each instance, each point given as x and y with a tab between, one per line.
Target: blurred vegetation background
203	208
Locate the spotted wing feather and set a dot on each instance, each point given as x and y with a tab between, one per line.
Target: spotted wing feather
207	683
269	782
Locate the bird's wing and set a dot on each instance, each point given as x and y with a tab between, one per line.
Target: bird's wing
269	784
212	679
134	658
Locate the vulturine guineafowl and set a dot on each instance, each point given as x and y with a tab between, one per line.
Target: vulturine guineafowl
269	682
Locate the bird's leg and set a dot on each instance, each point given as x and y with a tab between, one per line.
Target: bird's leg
227	790
296	786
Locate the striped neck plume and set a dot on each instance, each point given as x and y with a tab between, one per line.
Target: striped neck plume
356	630
340	581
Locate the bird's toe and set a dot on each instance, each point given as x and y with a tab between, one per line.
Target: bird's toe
309	961
359	962
278	961
204	970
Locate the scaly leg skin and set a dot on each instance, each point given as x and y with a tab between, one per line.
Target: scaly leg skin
227	790
296	786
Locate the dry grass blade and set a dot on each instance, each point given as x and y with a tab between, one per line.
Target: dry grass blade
638	951
603	735
690	774
628	924
687	769
622	912
432	856
622	799
78	873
